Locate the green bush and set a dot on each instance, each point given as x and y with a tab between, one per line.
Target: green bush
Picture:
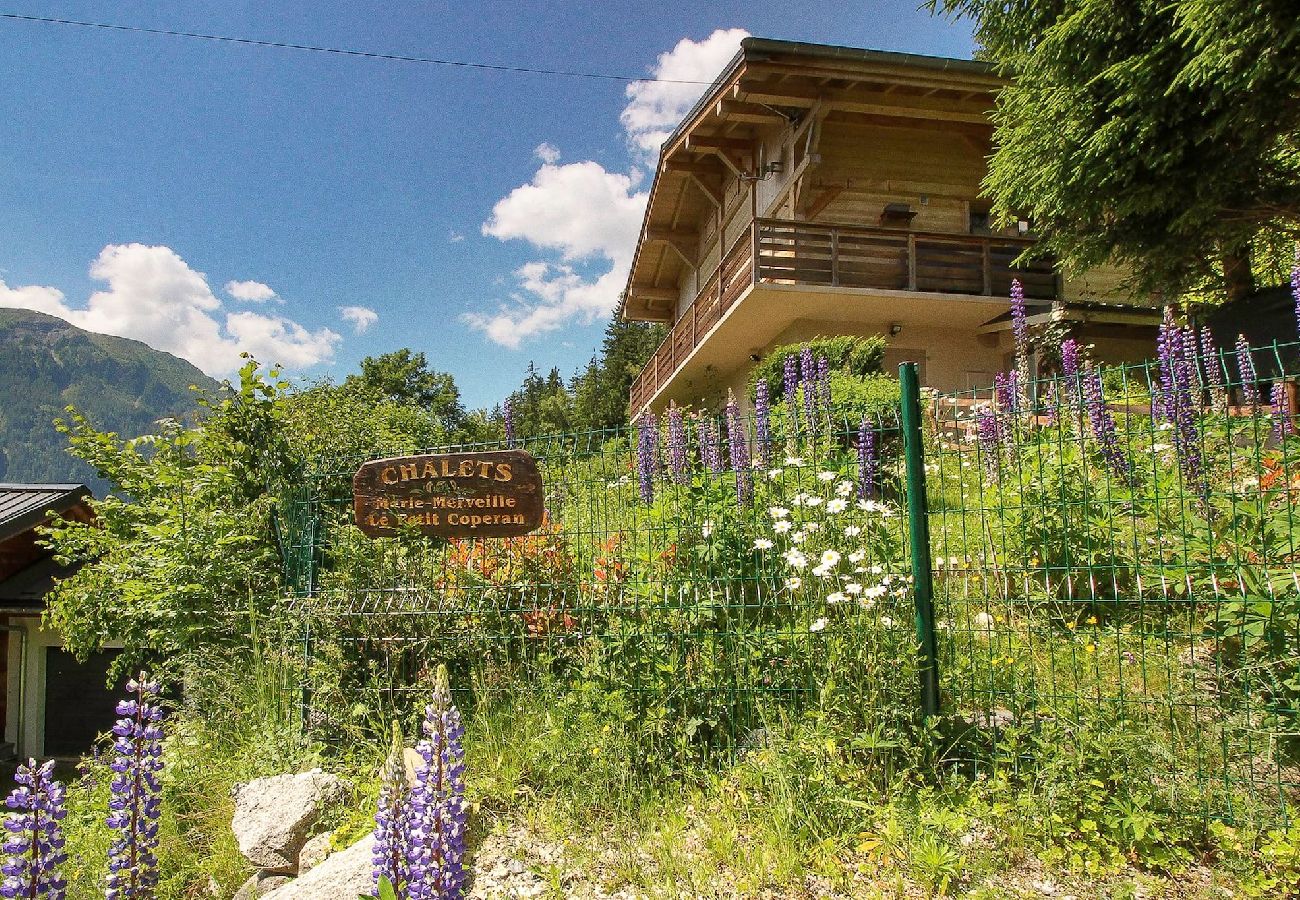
857	356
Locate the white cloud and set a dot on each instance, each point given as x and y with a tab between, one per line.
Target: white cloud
154	296
359	317
250	291
547	152
578	209
585	213
655	108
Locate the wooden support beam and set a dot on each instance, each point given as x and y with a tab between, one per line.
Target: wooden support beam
711	189
703	166
748	113
681	241
653	294
723	144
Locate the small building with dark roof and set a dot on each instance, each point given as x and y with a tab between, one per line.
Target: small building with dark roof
52	703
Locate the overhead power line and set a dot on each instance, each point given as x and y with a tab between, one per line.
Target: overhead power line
342	51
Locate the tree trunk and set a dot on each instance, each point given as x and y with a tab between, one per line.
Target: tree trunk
1238	280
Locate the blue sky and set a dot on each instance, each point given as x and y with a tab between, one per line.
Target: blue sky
163	188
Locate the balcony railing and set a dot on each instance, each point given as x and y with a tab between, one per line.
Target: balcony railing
782	252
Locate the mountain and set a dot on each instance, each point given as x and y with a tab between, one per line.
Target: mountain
119	384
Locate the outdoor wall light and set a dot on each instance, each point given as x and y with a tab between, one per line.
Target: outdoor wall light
895	327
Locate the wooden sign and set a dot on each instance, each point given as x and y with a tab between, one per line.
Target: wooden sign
496	493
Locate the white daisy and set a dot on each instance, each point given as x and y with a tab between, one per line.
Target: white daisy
818	625
874	593
830	558
795	461
813	501
762	544
836	598
795	559
852	530
778	512
844	488
794	582
837	505
826	476
782	526
853	588
798	537
857	556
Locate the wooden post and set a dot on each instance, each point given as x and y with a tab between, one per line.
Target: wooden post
987	265
754	243
911	262
835	257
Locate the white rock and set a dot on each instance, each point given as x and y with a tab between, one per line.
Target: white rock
314	852
345	875
261	884
274	816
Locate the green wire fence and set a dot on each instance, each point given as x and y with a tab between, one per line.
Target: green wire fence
1108	548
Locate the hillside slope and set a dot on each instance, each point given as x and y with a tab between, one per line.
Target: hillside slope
119	384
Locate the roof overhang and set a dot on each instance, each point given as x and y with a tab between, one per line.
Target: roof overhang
777	84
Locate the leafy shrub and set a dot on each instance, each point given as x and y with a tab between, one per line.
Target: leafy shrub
857	356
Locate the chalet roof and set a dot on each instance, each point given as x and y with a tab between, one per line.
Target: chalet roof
23	506
781	83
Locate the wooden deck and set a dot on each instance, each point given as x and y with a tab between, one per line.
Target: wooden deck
783	252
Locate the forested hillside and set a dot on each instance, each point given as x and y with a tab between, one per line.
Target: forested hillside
47	364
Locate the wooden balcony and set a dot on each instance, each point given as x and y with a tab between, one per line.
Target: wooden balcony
782	252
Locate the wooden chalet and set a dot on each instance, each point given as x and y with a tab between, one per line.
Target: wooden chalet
820	190
52	704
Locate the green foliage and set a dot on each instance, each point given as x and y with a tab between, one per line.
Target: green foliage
404	378
594	399
47	364
1163	135
859	357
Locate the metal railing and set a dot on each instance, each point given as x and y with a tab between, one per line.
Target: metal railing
776	251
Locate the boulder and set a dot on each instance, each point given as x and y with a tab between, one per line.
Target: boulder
274	816
345	875
314	852
261	883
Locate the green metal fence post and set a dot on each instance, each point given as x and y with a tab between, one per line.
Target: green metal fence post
918	528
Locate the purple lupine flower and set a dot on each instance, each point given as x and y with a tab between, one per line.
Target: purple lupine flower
824	382
508	412
678	465
1192	353
436	831
1166	353
988	434
710	444
391	856
1213	370
647	455
1020	333
1295	286
1246	367
738	444
1007	394
868	461
1283	423
762	424
136	793
1103	424
808	379
1051	405
1177	406
33	841
1069	357
790	391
